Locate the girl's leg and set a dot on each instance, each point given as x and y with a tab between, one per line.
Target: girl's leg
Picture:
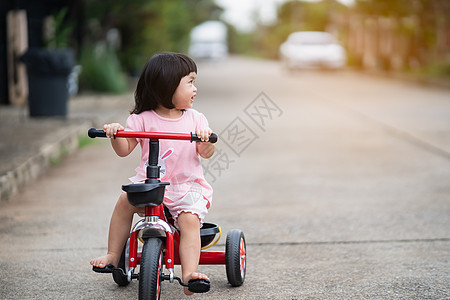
190	245
119	229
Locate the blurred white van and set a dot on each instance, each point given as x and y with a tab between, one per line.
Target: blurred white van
209	40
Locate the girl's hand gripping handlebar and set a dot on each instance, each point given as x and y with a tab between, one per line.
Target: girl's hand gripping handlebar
93	133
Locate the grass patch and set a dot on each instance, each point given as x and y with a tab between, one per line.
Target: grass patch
84	141
57	159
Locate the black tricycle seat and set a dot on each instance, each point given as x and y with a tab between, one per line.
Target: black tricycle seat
145	194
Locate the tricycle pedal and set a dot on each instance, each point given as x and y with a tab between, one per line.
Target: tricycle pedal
199	285
111	269
167	277
107	269
194	285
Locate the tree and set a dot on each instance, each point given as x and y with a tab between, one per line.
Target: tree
147	27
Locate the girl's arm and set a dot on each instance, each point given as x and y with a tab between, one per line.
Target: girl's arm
122	146
205	150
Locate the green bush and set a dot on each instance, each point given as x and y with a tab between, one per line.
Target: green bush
441	69
101	71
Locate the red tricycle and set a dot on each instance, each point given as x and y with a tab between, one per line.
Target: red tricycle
158	235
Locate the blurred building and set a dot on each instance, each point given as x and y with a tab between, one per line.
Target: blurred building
394	41
21	25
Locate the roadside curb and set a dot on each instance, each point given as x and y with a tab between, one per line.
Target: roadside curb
15	180
52	139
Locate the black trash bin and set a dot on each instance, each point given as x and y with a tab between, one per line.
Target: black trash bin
48	71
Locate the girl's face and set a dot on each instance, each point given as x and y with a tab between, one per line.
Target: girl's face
185	93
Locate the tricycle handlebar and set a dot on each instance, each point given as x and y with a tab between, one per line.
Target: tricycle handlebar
93	133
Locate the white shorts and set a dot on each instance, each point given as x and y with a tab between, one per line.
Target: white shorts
192	202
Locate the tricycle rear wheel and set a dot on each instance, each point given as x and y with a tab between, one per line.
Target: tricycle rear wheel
235	257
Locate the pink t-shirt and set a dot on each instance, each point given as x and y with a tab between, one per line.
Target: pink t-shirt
179	161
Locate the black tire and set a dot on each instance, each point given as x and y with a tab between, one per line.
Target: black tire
119	277
151	268
236	257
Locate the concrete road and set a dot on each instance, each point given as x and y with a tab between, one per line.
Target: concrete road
341	183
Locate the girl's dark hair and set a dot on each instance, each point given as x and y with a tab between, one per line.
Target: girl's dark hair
159	79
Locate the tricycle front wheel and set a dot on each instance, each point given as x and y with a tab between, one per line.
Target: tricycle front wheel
151	267
235	257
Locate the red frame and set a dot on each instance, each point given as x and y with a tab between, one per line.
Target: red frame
171	256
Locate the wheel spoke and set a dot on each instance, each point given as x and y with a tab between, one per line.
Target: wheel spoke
243	257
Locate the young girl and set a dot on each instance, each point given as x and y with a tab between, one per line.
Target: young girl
163	99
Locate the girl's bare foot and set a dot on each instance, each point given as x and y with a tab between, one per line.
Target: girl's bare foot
105	260
194	275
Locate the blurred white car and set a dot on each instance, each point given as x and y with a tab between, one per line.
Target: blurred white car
312	49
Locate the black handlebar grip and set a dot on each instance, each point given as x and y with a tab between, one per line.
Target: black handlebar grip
93	133
212	138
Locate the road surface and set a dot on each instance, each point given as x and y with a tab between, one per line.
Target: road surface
340	182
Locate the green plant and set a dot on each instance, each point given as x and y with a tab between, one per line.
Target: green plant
58	30
101	71
436	69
